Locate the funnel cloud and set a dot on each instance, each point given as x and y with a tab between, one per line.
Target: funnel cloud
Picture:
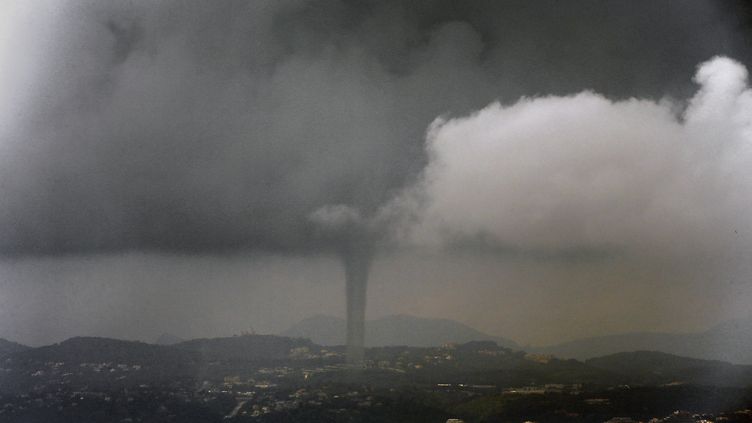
353	238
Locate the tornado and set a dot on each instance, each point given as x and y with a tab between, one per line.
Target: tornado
353	237
356	264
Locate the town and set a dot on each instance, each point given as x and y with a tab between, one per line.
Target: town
263	378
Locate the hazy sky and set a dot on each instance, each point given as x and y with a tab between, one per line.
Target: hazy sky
550	169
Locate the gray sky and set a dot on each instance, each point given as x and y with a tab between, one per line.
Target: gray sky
159	163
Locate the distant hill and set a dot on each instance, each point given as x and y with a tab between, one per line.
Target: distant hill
393	330
110	364
10	347
730	341
583	349
99	350
245	347
97	362
652	367
321	329
168	339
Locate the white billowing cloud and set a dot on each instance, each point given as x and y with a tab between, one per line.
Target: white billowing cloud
23	30
582	171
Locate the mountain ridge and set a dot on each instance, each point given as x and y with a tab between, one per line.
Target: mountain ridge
399	329
104	362
9	347
656	367
729	341
168	339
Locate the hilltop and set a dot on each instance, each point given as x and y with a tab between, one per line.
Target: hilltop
245	347
168	339
729	341
394	330
653	368
10	347
103	362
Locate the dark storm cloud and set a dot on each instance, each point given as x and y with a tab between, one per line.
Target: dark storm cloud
207	126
